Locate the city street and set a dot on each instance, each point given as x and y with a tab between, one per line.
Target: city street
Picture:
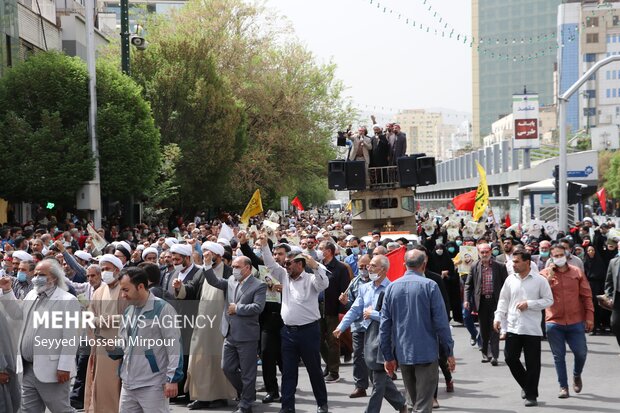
482	388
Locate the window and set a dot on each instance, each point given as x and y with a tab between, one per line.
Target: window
589	111
590	94
615	21
383	203
608	75
589	57
592	21
592	38
614	93
617	110
593	77
614	38
608	93
407	203
357	207
614	74
608	38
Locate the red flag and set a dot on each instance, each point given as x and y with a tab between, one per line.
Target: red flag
466	201
297	204
602	198
508	222
397	263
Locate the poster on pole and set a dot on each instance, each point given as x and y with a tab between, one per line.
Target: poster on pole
525	113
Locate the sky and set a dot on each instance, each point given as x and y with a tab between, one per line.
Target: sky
386	63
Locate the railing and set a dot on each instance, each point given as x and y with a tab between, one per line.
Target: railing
383	177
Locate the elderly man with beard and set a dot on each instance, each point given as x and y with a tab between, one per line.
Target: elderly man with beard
46	372
103	387
301	332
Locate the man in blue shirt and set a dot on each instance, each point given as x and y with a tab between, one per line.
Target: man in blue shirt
364	308
414	324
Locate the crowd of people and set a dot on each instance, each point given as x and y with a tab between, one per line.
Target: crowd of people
306	291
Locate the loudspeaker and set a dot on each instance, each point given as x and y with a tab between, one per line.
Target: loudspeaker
427	175
336	176
407	171
356	175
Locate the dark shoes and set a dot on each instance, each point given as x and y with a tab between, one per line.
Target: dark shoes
77	405
271	398
332	378
200	405
493	361
485	358
287	411
243	410
563	394
530	403
322	409
450	386
358	393
577	384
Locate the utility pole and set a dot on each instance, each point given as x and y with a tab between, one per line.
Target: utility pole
125	36
562	102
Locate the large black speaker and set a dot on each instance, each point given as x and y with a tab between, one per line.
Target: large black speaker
407	171
427	175
356	175
336	175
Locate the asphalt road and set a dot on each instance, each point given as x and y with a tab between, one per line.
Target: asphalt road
482	388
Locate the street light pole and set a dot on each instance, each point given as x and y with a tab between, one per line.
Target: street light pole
562	102
125	36
94	192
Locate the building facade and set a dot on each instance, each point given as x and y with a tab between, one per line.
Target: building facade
515	47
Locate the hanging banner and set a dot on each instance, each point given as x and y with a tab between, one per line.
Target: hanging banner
525	113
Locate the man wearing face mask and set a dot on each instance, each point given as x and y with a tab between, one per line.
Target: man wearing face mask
358	329
206	382
46	372
352	258
245	297
23	282
544	252
103	386
569	318
571	259
363	311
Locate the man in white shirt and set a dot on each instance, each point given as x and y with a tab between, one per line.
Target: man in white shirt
301	333
524	295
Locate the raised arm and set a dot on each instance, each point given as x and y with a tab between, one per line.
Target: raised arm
277	271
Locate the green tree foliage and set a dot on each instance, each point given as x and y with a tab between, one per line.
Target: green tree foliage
612	177
44	146
248	105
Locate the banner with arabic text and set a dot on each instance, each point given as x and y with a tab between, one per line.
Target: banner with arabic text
525	113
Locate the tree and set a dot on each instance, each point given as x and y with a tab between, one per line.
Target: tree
44	146
248	105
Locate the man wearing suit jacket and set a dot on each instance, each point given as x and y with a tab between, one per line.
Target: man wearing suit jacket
46	372
245	295
612	290
398	147
482	289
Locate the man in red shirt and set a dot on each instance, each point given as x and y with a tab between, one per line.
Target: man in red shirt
569	318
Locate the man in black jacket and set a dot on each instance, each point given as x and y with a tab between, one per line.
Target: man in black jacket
482	289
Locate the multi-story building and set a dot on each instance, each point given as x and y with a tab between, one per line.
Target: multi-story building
515	43
422	129
503	129
598	36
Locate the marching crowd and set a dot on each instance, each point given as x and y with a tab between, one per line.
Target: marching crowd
303	292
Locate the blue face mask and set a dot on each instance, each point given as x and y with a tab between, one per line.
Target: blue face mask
495	252
355	250
22	277
544	254
459	242
258	252
451	250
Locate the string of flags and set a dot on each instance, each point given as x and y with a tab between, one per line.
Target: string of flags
488	47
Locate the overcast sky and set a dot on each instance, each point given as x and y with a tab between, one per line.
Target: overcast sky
384	61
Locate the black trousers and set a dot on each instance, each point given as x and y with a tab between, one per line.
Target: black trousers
271	357
486	314
79	385
615	318
527	376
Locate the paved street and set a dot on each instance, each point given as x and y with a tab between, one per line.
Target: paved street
482	388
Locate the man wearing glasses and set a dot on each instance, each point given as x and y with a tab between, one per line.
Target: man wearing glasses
300	313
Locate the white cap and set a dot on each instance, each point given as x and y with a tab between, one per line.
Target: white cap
215	248
22	256
348	227
590	220
170	241
182	249
84	256
150	250
125	245
223	241
114	260
140	247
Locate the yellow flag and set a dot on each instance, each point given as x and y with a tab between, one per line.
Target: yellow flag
255	207
348	207
482	194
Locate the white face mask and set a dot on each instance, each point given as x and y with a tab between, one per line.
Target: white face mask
373	276
178	267
319	255
560	262
237	274
40	284
107	277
